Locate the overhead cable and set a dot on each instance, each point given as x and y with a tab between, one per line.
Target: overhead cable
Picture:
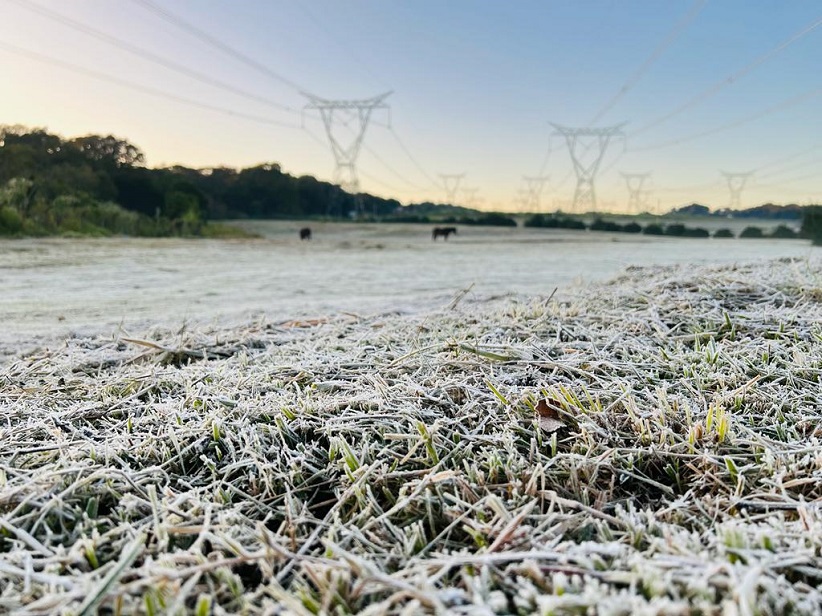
679	27
714	89
217	44
139	87
149	56
795	100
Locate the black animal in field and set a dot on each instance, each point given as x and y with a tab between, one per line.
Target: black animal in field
443	231
305	233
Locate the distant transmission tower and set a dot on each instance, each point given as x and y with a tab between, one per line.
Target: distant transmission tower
346	112
580	141
522	200
451	183
533	192
470	196
736	183
637	198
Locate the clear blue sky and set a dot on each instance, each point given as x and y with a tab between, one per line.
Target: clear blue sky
704	87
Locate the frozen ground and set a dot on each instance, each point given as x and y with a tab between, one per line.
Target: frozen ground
647	446
52	288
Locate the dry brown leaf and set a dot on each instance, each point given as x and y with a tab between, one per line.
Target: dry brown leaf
304	323
549	418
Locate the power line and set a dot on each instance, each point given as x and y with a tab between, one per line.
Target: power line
680	26
586	169
382	161
305	9
147	55
214	42
714	89
755	116
419	167
138	87
785	159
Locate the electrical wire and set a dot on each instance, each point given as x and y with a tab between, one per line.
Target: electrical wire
303	6
389	167
179	22
718	129
415	162
714	89
785	159
148	56
677	30
210	40
139	87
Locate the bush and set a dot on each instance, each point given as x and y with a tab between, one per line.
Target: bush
553	221
540	221
632	227
653	229
723	233
812	224
784	232
571	223
752	233
605	225
490	220
676	229
695	232
11	223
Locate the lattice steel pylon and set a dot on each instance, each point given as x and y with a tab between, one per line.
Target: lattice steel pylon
637	198
736	182
533	191
469	196
346	112
451	183
586	167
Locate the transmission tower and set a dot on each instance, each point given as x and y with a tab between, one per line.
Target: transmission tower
356	113
580	142
522	200
637	198
451	183
533	191
736	182
469	196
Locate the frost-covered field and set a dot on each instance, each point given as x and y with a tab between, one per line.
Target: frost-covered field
53	287
645	446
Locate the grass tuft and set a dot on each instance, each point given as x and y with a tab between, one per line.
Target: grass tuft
647	446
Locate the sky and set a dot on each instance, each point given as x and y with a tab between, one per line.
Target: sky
483	94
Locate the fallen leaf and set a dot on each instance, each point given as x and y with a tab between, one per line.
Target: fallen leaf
304	323
549	418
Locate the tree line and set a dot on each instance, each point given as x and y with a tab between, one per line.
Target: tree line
559	221
100	185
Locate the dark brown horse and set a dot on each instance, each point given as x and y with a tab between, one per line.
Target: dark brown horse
443	231
305	233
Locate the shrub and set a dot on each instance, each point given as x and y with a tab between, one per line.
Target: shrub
723	233
571	223
605	225
540	220
695	232
812	223
490	220
552	221
752	232
632	227
653	229
11	223
784	232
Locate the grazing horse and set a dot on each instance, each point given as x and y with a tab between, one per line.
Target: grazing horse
305	233
443	231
